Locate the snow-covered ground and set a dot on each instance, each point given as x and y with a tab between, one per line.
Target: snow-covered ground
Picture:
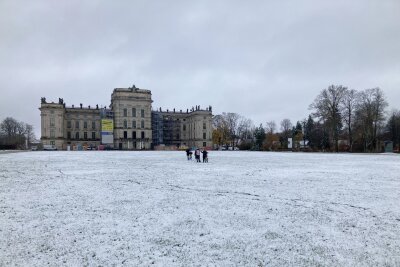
241	209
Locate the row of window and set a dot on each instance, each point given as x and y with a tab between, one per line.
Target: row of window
204	126
177	119
125	111
83	116
85	124
134	136
85	135
133	124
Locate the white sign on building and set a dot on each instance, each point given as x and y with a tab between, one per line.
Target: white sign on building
290	143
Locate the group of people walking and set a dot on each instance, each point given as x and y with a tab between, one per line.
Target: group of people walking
197	153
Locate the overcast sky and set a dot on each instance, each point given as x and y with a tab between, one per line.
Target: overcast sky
266	60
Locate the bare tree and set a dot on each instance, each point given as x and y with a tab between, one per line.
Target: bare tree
270	127
21	128
286	126
371	116
12	133
221	131
270	130
245	129
30	135
230	127
232	120
9	127
326	106
348	108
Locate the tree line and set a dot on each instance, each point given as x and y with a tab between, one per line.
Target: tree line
15	134
340	119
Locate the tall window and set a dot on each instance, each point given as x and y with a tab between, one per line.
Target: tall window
77	135
134	135
93	135
68	135
142	113
204	144
52	134
125	112
68	124
133	112
125	134
134	124
142	134
184	127
93	125
204	126
204	136
85	135
142	124
52	121
125	124
85	124
77	124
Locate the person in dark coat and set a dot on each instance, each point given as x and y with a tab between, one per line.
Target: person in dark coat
188	154
197	155
205	157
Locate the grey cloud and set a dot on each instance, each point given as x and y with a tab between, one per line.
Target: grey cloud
266	60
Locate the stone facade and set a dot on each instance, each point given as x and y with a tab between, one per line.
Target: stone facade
183	129
82	127
135	125
132	118
63	126
52	123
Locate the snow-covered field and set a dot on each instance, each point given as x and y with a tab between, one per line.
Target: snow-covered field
241	209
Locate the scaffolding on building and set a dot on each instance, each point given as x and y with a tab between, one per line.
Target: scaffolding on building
171	131
157	128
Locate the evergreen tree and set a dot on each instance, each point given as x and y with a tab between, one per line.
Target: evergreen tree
309	132
259	135
393	127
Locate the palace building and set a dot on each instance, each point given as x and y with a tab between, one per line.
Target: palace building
128	124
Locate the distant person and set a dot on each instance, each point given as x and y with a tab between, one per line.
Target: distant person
197	155
188	154
205	157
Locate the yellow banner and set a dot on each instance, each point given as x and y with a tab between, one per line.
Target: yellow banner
107	125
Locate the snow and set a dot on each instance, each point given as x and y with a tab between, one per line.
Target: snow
146	208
